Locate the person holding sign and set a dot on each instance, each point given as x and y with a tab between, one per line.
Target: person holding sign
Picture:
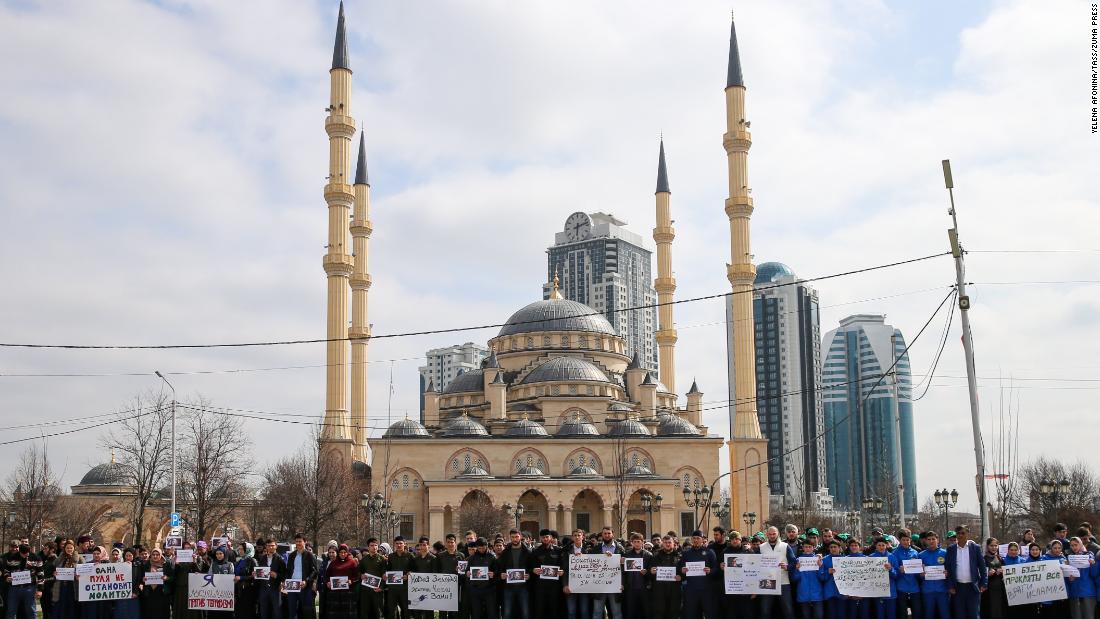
397	593
636	563
934	578
810	580
22	577
607	545
577	605
886	607
372	566
696	563
548	596
482	569
340	599
63	590
514	563
994	600
302	566
245	570
908	585
274	571
199	563
967	577
785	554
1082	590
448	562
836	607
666	589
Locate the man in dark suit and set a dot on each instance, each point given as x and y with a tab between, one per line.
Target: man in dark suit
268	596
967	577
301	565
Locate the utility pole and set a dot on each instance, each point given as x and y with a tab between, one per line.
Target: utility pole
897	433
161	376
968	350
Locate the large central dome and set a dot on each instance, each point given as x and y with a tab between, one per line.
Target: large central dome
557	315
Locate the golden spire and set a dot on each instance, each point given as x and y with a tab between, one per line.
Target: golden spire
555	289
112	455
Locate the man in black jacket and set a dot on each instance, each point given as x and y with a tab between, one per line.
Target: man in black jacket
636	583
23	569
577	605
515	556
269	598
666	593
302	566
548	598
739	606
482	592
397	595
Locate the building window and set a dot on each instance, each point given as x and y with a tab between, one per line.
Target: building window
408	525
584	521
546	341
687	523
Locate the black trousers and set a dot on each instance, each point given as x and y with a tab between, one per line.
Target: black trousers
666	600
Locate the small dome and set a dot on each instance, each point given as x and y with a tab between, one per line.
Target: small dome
577	426
526	427
474	471
565	369
530	471
557	315
464	426
639	470
674	425
109	474
620	407
584	471
769	272
466	382
628	427
406	428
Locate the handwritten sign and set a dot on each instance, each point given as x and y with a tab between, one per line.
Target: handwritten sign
1081	562
85	569
594	574
751	575
22	577
862	577
1037	581
65	573
1002	549
1070	572
433	592
154	578
185	556
913	566
210	592
808	564
338	583
109	581
696	568
935	572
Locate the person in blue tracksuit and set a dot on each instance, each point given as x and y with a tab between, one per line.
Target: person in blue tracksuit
858	608
836	607
810	592
1056	608
886	608
1019	611
908	585
933	592
1081	590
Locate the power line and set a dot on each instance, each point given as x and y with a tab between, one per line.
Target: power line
468	328
936	361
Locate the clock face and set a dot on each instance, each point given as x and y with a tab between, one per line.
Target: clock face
578	227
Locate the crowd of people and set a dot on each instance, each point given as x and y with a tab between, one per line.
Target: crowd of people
281	581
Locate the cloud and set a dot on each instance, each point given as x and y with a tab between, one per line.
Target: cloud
161	182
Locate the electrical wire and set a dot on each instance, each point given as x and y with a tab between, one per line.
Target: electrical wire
749	290
943	344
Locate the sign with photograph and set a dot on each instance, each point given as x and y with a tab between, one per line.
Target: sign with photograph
751	575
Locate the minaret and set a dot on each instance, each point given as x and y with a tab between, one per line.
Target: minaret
336	434
665	284
360	284
748	448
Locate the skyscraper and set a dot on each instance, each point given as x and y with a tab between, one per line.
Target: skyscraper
861	446
445	364
788	380
607	267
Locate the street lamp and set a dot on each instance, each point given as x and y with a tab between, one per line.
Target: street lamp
945	501
701	498
872	504
651	503
721	510
749	519
161	376
1054	492
852	520
516	511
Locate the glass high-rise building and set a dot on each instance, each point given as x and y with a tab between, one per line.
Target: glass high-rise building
861	444
788	383
607	267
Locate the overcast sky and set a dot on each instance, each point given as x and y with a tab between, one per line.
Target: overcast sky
162	164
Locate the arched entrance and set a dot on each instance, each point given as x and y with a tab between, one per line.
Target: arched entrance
588	511
637	518
535	512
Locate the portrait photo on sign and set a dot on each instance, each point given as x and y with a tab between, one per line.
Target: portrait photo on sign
338	583
173	542
395	578
261	573
479	573
372	581
633	565
550	572
732	561
293	585
516	575
767	583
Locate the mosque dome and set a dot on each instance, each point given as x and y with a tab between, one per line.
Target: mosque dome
526	427
530	471
557	315
628	427
565	369
406	428
674	425
109	474
769	272
584	471
577	426
464	426
639	470
469	381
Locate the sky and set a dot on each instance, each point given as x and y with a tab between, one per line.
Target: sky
162	167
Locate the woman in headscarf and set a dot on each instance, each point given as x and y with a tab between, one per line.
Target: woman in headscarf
246	590
198	566
340	603
129	608
994	604
63	592
156	598
220	564
99	609
322	575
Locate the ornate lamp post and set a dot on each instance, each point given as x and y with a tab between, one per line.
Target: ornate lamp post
377	512
515	511
749	518
946	500
651	503
1054	492
721	509
701	498
852	520
872	504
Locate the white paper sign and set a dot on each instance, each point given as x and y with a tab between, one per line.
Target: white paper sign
1002	550
433	592
185	556
549	572
293	586
210	592
372	581
395	578
751	575
154	578
479	573
862	577
110	581
515	576
666	573
913	566
338	583
633	564
1081	562
808	564
22	577
595	573
85	569
461	567
87	557
65	573
1037	581
696	568
1070	572
935	572
261	573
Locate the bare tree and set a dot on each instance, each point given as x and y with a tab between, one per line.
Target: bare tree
1006	483
1071	506
141	439
32	490
480	515
622	484
214	457
76	516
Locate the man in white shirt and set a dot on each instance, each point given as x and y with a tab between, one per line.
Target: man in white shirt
772	546
967	576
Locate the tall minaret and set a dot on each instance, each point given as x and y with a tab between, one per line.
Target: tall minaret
665	284
360	284
336	434
748	448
